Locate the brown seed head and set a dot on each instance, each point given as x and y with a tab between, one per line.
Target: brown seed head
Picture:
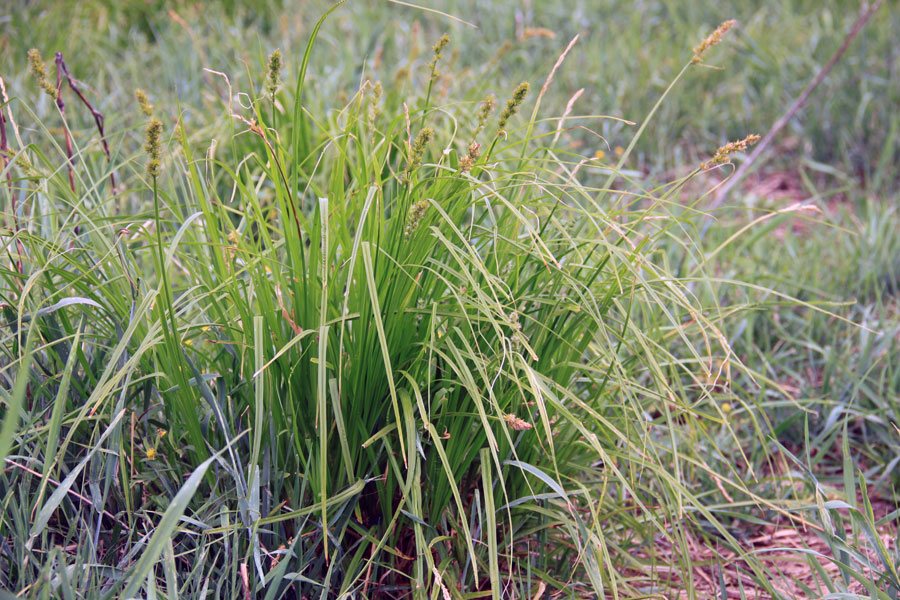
711	40
516	423
723	153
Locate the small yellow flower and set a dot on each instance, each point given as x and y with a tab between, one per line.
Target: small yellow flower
726	408
619	150
599	154
188	342
151	453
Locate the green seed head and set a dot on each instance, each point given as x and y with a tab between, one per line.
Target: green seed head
153	146
438	50
487	107
441	44
414	218
513	104
21	159
39	70
417	150
143	101
273	73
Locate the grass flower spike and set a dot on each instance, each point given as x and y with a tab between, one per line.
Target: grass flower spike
466	162
711	40
513	104
39	70
417	151
273	72
144	102
416	213
517	423
152	146
723	153
438	52
487	107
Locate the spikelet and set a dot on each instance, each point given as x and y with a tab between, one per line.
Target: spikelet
415	216
144	102
39	70
711	40
153	146
273	72
438	53
21	159
487	107
417	151
513	104
466	162
374	110
516	423
723	153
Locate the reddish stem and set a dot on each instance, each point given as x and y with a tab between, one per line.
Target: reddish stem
4	149
61	105
98	116
4	160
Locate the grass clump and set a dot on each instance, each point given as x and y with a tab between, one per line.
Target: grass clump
345	347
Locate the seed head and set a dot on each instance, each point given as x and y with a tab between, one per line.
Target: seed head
21	159
418	150
466	162
273	73
516	423
711	40
438	50
153	147
374	110
416	213
143	101
723	153
487	107
441	44
377	91
513	104
39	70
